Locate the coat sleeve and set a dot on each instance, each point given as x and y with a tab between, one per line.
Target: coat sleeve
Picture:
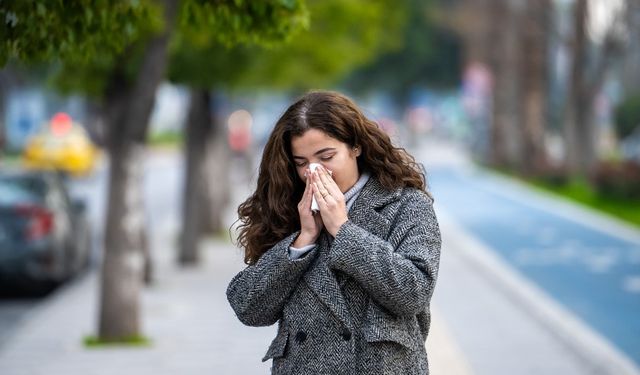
258	293
402	278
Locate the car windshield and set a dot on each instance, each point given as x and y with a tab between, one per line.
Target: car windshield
21	189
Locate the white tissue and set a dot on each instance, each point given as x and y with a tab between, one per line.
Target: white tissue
314	203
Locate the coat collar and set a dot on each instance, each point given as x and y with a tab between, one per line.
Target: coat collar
374	196
366	209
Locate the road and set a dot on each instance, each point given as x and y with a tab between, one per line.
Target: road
587	264
163	181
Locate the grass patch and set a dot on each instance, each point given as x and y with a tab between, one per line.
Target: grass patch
133	341
580	191
166	138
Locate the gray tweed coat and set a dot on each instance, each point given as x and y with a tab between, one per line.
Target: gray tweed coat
356	304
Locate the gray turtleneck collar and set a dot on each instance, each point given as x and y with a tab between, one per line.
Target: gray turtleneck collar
351	194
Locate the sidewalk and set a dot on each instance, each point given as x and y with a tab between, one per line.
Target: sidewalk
186	315
503	324
477	327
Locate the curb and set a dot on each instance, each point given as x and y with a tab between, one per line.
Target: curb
589	346
576	212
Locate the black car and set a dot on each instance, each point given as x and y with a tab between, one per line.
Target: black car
45	237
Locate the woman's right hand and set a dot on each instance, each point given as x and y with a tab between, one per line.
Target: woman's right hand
310	225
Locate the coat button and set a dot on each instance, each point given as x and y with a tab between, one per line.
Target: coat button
301	336
346	334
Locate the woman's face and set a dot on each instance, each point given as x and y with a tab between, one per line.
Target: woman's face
315	146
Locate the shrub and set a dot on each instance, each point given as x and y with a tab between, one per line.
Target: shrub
627	115
551	174
617	179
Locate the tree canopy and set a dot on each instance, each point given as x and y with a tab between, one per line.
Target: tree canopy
429	56
90	40
339	36
36	31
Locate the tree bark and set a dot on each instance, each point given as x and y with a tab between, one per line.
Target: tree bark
197	134
9	78
535	84
123	260
473	19
217	193
3	127
95	124
129	109
474	22
505	133
631	63
207	190
584	85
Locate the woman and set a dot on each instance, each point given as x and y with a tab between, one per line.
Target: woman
350	284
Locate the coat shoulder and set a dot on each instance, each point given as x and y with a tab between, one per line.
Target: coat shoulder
413	196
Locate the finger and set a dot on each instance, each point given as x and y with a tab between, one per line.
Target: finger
307	187
329	183
306	195
321	186
319	193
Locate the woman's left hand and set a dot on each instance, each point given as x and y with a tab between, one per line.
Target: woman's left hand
330	200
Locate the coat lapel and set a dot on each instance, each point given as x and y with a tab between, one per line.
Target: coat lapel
322	281
365	211
320	278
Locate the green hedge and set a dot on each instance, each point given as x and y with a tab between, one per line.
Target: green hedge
627	115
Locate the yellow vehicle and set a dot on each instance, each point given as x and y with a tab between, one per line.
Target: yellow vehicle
61	145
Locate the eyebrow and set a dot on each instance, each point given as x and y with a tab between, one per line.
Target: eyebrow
317	152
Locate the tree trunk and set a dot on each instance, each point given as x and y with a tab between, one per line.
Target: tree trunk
147	258
496	45
207	190
129	109
585	84
505	136
578	121
472	19
3	127
631	62
123	260
217	191
198	129
535	84
7	82
95	124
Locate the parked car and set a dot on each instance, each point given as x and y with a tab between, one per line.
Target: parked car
61	145
45	236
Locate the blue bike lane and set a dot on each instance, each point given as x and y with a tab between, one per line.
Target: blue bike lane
593	273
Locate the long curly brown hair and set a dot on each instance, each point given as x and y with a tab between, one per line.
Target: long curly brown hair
270	213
